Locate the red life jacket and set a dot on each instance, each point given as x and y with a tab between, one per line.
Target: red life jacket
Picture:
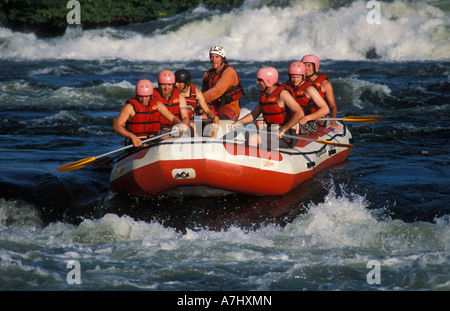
172	104
231	94
318	84
272	113
145	122
191	101
306	103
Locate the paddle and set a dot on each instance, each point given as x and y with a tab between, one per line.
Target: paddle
83	162
321	141
357	119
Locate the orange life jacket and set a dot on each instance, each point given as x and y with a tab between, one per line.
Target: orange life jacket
172	104
146	121
272	113
231	94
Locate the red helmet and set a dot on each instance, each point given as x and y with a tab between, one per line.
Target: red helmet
312	59
166	77
144	88
269	75
297	68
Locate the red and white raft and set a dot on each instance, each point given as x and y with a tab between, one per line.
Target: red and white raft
208	166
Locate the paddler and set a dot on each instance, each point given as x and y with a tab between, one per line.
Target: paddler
194	97
171	103
278	108
308	97
221	86
195	100
138	119
322	83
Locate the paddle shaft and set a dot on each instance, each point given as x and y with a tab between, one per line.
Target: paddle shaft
320	141
83	162
130	146
356	119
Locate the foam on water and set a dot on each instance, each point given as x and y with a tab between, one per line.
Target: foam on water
18	214
89	96
326	248
351	90
258	30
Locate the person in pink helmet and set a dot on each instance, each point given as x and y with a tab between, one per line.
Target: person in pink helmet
322	83
170	102
138	119
278	108
221	86
308	97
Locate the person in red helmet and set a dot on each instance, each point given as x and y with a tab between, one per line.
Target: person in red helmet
308	97
138	119
221	86
322	83
171	103
278	108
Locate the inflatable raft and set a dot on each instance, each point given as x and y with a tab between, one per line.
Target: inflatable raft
205	166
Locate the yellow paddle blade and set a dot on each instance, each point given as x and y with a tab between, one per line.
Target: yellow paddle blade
75	165
327	142
362	119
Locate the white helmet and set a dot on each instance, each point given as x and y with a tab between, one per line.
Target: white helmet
217	49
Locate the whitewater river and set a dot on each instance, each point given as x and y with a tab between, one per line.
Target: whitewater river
379	221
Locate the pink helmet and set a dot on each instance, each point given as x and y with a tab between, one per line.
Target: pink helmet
312	59
166	77
269	75
297	68
144	88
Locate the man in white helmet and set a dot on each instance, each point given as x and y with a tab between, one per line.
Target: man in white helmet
221	86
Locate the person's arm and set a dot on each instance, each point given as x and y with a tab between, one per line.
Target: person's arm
167	114
119	126
184	110
229	77
327	88
312	93
296	111
201	101
247	118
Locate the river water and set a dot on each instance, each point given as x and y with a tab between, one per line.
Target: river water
384	212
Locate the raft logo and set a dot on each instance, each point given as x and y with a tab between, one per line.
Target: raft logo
374	275
183	173
74	275
74	16
374	15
